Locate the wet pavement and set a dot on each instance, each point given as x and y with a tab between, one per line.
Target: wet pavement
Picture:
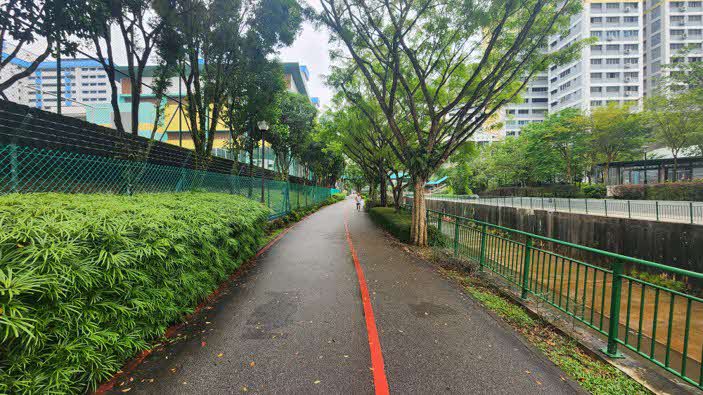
294	323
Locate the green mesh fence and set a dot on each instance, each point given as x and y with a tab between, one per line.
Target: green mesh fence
27	170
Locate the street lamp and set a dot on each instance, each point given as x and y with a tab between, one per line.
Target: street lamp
263	127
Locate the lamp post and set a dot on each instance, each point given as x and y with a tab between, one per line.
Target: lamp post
263	127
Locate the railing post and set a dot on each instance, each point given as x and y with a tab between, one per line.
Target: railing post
542	202
526	267
569	202
605	205
482	254
614	324
555	204
656	207
586	201
456	236
629	211
690	210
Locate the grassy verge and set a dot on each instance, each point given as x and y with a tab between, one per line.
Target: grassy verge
593	374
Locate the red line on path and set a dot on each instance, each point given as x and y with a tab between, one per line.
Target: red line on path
379	372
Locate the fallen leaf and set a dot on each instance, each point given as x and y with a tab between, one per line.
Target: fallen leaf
203	344
252	364
245	389
316	382
126	390
220	355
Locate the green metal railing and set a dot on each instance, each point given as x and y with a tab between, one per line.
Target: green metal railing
667	211
27	170
594	287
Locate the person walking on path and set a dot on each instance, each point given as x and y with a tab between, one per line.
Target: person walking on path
358	201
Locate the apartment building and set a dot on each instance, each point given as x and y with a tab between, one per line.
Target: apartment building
635	40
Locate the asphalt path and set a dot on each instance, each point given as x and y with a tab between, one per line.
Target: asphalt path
295	323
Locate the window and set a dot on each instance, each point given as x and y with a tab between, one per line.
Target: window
539	100
612	89
632	5
612	61
694	59
596	103
596	76
511	112
612	75
695	32
631	89
656	25
596	33
677	18
631	19
612	34
631	74
596	6
631	47
596	61
613	19
612	6
540	89
596	89
596	48
695	18
612	47
631	60
630	33
596	19
523	112
695	4
676	32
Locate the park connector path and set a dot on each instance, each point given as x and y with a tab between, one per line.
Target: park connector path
333	307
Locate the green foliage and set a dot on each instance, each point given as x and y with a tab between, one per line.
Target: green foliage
512	313
557	190
398	224
86	281
682	190
665	280
291	134
594	191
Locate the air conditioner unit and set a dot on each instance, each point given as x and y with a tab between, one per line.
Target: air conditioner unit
627	9
682	9
684	36
628	79
627	51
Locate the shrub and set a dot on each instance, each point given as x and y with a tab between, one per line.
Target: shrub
87	280
557	190
629	192
398	224
594	191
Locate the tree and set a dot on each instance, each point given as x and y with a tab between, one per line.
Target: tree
562	135
293	129
443	68
616	133
354	176
675	121
23	22
215	36
140	27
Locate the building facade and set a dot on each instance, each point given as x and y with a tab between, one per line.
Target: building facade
635	40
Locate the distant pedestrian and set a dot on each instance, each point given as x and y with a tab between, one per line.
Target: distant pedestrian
358	202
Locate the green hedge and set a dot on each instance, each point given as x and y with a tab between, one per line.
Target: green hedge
684	190
594	191
86	281
557	190
398	224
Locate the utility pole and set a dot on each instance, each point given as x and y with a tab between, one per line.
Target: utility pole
263	127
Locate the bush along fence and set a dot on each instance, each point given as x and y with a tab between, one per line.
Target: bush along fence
668	211
26	169
646	314
87	280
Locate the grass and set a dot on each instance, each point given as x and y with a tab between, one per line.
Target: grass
593	374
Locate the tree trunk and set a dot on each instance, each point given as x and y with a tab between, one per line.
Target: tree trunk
383	188
676	168
418	230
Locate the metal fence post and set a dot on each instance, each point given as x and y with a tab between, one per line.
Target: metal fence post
690	210
456	236
14	182
586	201
569	202
656	207
526	267
605	205
482	254
614	323
629	211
